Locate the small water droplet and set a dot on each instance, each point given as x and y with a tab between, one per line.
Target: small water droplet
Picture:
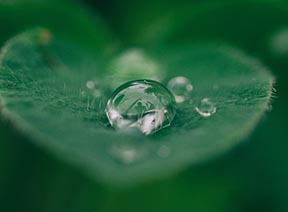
206	108
164	151
96	93
181	87
90	84
94	88
92	96
143	104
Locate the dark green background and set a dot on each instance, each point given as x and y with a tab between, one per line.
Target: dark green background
251	177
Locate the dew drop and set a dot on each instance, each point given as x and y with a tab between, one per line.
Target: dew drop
206	108
180	87
90	84
91	94
94	88
142	104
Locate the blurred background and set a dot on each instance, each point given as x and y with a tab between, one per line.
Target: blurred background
251	177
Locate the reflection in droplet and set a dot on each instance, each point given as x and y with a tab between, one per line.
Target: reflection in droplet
143	104
164	151
180	87
206	108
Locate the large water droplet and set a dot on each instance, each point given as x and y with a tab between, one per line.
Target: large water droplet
180	87
143	104
206	108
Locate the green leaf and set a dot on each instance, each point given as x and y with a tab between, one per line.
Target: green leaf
43	92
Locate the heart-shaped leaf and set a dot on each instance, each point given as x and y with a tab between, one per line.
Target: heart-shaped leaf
55	92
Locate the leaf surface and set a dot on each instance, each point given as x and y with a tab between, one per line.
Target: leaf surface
43	88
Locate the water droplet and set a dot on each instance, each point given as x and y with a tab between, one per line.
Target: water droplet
90	84
91	96
206	108
143	104
180	87
94	88
164	151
